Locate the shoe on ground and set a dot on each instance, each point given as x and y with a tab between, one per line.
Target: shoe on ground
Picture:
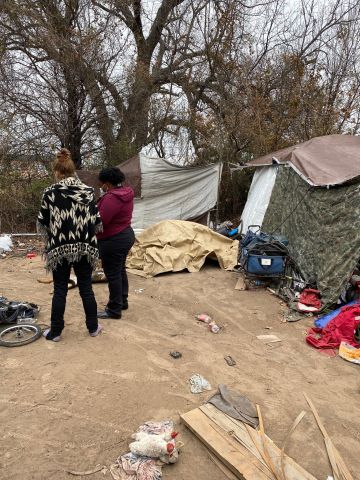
106	315
97	331
49	336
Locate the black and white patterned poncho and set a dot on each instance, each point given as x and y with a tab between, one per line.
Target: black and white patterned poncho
69	220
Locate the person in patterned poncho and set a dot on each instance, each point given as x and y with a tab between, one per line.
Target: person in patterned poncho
69	221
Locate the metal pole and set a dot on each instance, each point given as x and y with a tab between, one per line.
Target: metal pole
22	234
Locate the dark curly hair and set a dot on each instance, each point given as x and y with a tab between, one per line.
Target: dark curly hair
112	175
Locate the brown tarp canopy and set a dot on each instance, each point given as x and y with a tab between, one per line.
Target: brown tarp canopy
321	161
130	168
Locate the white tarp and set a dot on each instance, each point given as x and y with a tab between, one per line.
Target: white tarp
259	197
170	192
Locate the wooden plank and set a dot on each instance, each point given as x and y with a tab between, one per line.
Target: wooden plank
228	473
237	458
338	465
251	440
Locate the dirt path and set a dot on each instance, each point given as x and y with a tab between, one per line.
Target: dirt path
75	404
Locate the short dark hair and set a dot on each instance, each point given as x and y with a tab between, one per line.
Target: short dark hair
112	175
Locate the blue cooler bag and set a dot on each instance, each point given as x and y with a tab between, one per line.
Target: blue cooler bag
264	265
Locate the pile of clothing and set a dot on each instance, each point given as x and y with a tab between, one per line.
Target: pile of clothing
342	327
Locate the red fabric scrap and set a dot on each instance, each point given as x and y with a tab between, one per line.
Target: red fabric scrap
339	329
310	297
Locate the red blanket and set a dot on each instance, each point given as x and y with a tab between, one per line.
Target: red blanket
341	328
310	297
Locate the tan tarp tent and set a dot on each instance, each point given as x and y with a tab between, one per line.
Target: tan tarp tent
321	161
172	246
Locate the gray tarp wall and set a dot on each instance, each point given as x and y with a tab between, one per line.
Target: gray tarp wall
322	225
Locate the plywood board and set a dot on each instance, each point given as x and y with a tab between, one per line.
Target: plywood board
251	438
235	456
239	446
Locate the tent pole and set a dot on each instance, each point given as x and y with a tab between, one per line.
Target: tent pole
218	196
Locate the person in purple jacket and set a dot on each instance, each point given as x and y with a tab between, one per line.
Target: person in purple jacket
115	241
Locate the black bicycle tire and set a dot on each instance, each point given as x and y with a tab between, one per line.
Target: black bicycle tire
25	342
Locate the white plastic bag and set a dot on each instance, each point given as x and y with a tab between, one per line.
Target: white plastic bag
199	384
6	243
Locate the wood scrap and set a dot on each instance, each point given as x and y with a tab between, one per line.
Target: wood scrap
87	472
264	451
238	449
291	431
240	284
230	452
268	338
250	438
46	280
339	468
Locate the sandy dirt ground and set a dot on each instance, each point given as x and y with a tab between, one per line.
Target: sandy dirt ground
74	404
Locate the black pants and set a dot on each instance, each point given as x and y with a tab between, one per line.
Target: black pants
113	253
83	272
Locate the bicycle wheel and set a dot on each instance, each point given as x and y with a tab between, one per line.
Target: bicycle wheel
19	334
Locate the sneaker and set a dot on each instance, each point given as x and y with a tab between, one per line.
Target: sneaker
48	335
97	331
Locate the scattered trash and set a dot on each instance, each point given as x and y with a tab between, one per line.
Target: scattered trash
268	338
130	466
204	317
46	280
349	353
198	383
240	284
5	243
98	468
214	328
31	255
175	354
154	441
154	446
247	452
139	290
98	276
293	316
11	311
235	405
230	361
28	320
